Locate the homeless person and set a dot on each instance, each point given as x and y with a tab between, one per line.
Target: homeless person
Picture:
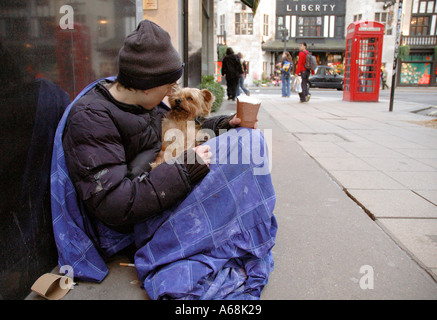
114	131
106	140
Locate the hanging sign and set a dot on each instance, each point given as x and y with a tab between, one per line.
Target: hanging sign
150	4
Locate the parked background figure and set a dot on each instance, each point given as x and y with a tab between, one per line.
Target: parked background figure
303	73
232	70
243	76
286	67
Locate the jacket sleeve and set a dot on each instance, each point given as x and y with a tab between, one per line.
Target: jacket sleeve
97	166
217	123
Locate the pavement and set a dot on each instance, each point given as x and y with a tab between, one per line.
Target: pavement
356	203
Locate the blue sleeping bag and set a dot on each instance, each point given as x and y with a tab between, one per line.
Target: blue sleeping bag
217	243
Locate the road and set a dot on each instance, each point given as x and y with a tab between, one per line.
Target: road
424	97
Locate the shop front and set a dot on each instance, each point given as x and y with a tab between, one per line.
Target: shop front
320	24
418	69
417	53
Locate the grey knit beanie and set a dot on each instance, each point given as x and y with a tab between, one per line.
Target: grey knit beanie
148	58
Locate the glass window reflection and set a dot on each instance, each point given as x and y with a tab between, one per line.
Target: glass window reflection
47	57
71	57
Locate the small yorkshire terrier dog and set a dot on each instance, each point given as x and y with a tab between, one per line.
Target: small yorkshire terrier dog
181	126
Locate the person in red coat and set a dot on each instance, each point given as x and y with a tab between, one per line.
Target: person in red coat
303	72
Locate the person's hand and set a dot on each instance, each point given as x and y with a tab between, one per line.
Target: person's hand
235	122
204	152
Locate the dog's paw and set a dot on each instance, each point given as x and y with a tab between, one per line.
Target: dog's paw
153	165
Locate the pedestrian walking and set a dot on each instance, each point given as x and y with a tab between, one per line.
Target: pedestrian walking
383	79
286	66
232	70
245	67
303	73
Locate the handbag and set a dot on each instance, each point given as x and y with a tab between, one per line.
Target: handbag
296	84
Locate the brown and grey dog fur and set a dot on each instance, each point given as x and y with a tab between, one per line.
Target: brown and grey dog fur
188	106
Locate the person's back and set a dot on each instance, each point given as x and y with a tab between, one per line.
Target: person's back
232	70
286	67
232	66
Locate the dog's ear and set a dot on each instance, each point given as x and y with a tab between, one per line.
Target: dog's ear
209	99
208	96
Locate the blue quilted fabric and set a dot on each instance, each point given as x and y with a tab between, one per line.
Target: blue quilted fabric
217	243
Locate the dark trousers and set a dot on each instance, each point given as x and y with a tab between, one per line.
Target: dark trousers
305	85
232	87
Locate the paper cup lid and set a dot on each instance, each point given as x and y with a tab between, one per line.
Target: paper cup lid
250	100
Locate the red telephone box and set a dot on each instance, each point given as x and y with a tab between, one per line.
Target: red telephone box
363	61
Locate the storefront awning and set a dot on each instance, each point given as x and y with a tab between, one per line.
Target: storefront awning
326	45
253	4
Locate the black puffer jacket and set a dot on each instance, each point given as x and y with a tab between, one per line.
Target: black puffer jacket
108	146
231	66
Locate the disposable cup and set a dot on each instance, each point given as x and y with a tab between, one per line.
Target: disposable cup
247	111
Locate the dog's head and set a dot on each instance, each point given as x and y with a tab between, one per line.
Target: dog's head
191	103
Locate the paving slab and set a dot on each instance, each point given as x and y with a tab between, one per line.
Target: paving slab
366	180
391	190
429	195
418	236
417	180
395	203
398	164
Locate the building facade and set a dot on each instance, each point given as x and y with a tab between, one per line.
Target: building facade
373	10
318	23
245	32
322	25
419	37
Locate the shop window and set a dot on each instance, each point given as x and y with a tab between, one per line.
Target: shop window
386	18
422	14
280	25
415	73
416	69
244	23
222	24
423	6
266	25
309	26
358	17
419	26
